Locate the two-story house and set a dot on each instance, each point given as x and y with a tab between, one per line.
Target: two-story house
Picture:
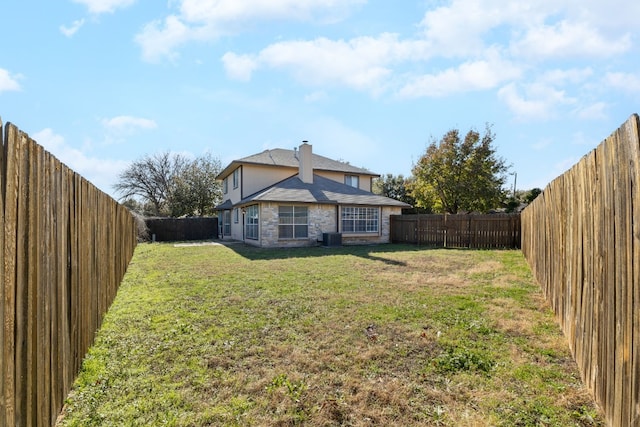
282	198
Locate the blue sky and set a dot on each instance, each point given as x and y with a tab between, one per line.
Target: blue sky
100	83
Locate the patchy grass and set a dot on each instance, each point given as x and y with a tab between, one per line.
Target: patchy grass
353	336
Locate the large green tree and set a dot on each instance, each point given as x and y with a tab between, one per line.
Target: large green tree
459	174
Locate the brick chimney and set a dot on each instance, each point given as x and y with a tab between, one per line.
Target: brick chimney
306	165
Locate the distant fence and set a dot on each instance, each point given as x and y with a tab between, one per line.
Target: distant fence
457	231
174	229
65	247
581	237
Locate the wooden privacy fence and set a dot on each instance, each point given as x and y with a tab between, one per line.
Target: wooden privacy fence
174	229
65	246
457	231
581	237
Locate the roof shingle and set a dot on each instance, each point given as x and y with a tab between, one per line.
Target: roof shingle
322	190
289	158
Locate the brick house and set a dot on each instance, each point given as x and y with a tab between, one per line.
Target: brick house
284	198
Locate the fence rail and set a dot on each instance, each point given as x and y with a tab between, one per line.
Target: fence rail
581	237
457	231
65	246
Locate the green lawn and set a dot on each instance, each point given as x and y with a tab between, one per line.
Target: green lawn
354	336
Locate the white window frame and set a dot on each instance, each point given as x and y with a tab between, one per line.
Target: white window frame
360	220
225	185
352	180
226	223
297	222
252	222
236	215
236	178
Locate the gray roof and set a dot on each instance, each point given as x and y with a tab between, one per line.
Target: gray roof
289	158
322	190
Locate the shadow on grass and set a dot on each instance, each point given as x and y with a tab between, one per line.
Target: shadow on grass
372	252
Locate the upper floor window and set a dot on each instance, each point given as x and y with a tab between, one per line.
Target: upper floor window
352	180
236	178
225	185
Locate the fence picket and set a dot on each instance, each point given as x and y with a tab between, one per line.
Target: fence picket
457	231
2	286
65	246
587	263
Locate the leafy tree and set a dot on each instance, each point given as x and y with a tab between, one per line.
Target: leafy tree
532	194
457	174
195	190
393	186
400	188
171	184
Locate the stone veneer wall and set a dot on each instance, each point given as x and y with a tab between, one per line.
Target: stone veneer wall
385	235
322	219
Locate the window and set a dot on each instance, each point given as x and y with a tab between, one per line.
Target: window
360	220
352	180
226	223
236	178
251	218
236	215
225	185
293	222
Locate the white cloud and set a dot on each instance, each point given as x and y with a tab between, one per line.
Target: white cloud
229	11
359	63
469	76
561	77
543	28
239	67
119	128
105	6
205	20
8	82
100	172
159	39
362	63
625	82
535	106
569	39
611	16
595	111
128	124
71	30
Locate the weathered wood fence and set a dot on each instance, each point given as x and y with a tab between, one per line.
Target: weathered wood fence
65	246
581	237
457	231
